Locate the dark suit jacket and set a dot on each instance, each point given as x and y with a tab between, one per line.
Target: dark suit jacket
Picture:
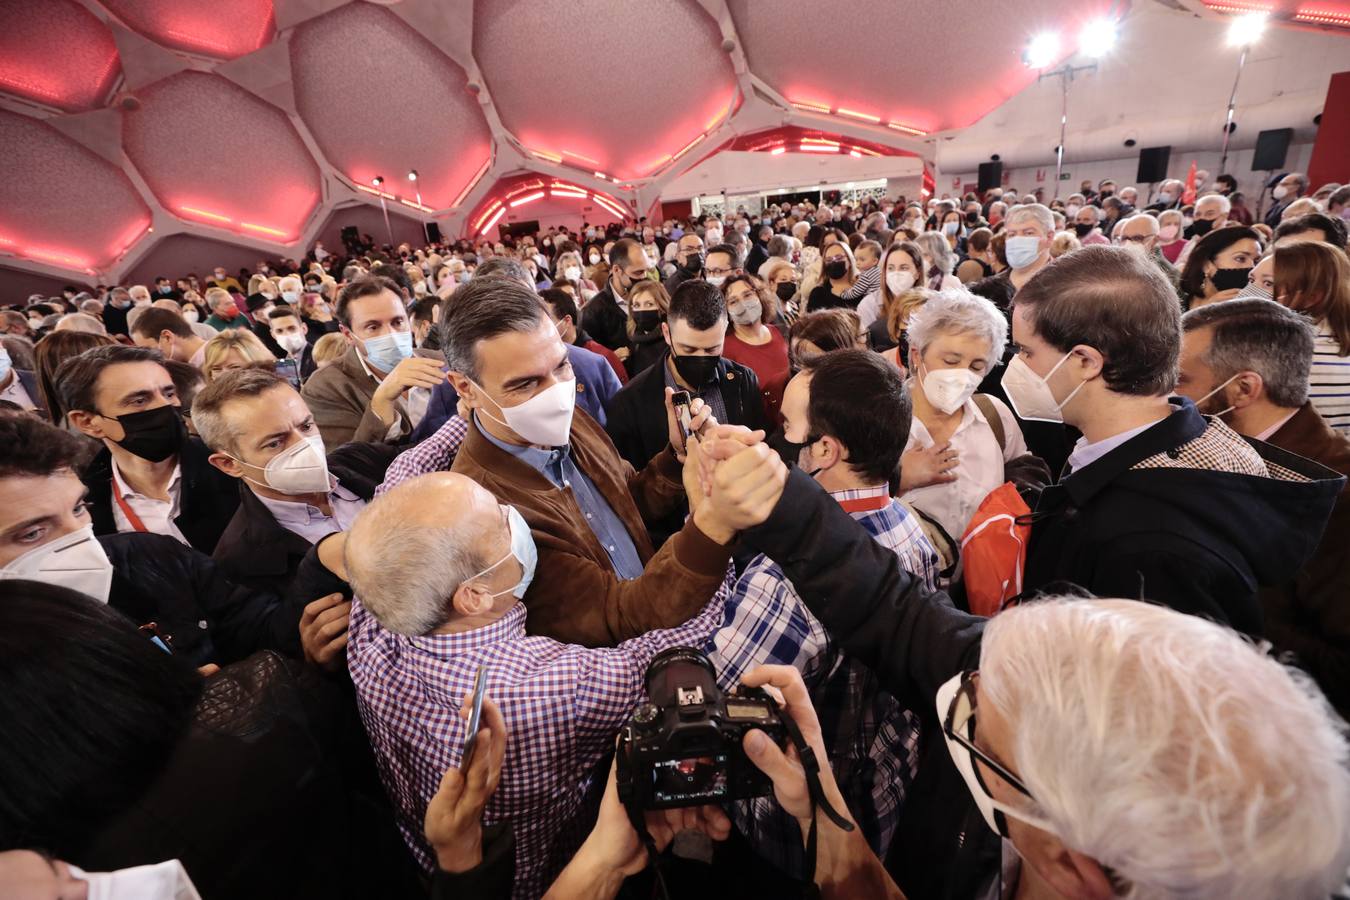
28	380
207	496
605	321
257	552
1310	616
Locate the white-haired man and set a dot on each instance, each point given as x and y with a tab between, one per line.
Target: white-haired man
1029	229
1211	212
1119	748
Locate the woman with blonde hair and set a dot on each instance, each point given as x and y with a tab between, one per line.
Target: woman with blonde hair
329	349
1064	242
939	261
236	348
567	267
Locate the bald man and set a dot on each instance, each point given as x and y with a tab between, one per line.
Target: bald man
1140	233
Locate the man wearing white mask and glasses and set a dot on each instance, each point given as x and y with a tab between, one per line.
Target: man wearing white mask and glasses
599	579
46	535
291	496
1156	501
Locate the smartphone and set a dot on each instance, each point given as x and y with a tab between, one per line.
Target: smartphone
680	400
290	370
475	716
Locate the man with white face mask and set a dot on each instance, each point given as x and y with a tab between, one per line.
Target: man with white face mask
291	334
291	494
1156	500
46	534
600	580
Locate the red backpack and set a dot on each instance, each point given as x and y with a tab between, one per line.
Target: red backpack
994	550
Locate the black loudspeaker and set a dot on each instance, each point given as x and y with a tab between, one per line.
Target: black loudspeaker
1271	148
433	231
991	176
1153	165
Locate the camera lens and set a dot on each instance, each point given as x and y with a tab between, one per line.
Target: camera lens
681	676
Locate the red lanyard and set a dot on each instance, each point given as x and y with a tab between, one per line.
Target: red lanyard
134	519
865	504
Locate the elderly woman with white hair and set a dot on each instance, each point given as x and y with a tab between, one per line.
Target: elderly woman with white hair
959	442
939	262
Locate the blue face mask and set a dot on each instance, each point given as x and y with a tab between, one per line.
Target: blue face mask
388	350
1022	251
523	549
5	364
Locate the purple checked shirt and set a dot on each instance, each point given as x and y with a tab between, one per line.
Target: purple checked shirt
563	705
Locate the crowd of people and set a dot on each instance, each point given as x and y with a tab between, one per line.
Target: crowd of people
342	576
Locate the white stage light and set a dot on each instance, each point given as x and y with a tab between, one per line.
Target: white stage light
1097	38
1042	50
1246	30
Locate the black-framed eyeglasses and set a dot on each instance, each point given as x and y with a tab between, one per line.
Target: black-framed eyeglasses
959	725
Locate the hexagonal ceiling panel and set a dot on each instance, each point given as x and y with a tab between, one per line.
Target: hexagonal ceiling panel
223	29
215	154
60	203
56	53
794	46
636	91
366	118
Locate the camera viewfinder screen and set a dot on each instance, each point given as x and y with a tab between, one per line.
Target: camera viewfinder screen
696	778
742	710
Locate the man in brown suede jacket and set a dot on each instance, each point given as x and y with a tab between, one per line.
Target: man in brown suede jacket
598	580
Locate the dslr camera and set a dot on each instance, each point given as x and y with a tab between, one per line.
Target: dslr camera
683	748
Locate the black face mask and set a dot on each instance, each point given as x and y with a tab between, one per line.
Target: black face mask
1105	194
1083	229
836	268
647	319
786	291
1200	228
1230	279
693	263
972	218
697	370
153	434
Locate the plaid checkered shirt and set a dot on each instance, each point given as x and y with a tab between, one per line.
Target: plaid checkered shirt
871	740
435	454
563	705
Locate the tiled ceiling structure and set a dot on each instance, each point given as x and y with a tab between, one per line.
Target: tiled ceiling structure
125	122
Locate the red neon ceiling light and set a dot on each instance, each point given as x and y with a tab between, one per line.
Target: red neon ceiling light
526	190
56	53
219	220
820	108
224	29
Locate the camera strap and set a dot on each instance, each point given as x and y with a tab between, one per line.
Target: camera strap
818	799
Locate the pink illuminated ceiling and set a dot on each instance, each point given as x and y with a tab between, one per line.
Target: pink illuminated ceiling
223	29
60	203
56	53
914	77
793	139
215	154
643	78
1296	13
374	125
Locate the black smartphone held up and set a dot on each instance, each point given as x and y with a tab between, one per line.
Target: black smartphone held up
290	370
680	400
475	716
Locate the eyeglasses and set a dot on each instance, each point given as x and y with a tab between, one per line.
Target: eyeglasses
1134	238
959	725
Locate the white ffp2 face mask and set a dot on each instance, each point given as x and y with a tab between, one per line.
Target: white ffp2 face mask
1030	394
74	561
301	468
162	881
948	389
545	419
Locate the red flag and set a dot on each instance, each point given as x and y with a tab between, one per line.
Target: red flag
1188	195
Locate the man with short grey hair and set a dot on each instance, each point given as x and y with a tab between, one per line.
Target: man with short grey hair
1291	187
1029	229
1247	361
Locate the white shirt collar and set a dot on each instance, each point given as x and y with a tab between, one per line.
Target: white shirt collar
1085	453
1270	432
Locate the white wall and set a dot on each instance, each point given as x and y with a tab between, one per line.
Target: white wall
743	172
1123	170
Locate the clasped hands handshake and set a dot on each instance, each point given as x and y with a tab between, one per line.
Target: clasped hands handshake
732	478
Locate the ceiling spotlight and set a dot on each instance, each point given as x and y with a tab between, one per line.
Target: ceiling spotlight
1042	50
1246	30
377	180
1097	37
412	174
